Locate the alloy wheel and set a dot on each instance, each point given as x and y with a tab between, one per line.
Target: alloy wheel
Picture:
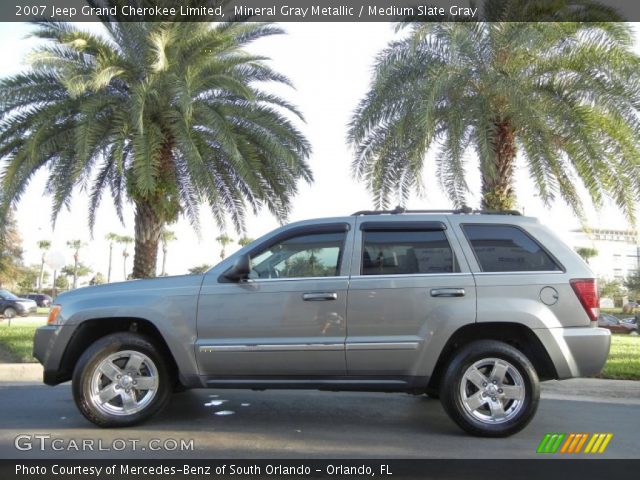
492	391
124	383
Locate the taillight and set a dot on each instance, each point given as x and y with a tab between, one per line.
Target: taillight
587	292
53	314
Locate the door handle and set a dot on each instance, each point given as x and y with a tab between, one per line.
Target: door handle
319	296
447	292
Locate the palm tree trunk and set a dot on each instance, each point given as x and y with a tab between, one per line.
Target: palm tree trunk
164	262
75	271
148	229
497	177
40	277
110	257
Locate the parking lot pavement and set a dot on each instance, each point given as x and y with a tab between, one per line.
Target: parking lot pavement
298	424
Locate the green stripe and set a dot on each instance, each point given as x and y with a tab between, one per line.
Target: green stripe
550	443
556	446
543	443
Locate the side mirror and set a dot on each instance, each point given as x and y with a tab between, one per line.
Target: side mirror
240	269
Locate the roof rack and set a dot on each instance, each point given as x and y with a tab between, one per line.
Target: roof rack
458	211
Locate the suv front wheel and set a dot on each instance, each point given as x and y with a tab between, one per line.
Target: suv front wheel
490	389
121	380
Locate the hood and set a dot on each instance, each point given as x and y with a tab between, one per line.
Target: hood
133	285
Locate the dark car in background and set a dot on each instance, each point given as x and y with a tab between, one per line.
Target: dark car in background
41	299
13	306
614	325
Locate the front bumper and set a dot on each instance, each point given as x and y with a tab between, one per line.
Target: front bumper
49	345
576	351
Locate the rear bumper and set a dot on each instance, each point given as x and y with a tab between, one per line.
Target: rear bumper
577	351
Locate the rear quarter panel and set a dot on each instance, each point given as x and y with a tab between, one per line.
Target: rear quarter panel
516	296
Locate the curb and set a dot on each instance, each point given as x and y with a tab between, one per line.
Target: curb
20	373
575	389
593	390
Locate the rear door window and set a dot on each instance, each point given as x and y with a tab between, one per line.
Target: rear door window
506	248
406	253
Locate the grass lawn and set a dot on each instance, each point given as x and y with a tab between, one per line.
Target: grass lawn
624	358
16	343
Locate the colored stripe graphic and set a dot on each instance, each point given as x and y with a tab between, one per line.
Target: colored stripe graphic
583	439
572	443
550	443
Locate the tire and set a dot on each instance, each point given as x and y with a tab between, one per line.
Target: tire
487	402
10	312
432	393
114	368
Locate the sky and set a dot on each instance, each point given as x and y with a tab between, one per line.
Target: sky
330	65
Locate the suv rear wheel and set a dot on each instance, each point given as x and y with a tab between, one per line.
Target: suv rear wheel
121	380
490	389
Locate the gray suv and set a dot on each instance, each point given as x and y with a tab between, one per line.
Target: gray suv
475	308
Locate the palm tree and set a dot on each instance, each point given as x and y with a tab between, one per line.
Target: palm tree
587	252
75	245
199	269
563	95
125	241
111	238
44	246
77	270
166	237
165	115
223	240
244	241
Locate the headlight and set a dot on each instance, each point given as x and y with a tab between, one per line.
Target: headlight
53	314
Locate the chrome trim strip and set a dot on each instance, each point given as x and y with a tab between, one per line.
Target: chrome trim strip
273	347
536	272
294	279
383	346
413	275
310	347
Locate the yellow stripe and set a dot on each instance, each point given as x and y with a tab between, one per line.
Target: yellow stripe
591	442
567	442
584	439
606	442
596	445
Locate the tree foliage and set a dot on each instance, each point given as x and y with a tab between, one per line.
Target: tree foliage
564	96
587	252
10	253
199	269
166	115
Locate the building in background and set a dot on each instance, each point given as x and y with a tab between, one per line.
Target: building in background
618	251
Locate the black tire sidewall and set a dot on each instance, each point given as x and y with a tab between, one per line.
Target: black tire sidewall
450	388
102	348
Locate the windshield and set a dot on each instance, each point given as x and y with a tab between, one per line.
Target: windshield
6	294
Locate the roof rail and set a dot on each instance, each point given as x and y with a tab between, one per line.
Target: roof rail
458	211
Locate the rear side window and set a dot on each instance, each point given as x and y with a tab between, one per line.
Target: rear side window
406	253
504	248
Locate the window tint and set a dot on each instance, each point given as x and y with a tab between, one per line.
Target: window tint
406	252
316	255
503	248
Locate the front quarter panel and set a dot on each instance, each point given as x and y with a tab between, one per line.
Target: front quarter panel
168	303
